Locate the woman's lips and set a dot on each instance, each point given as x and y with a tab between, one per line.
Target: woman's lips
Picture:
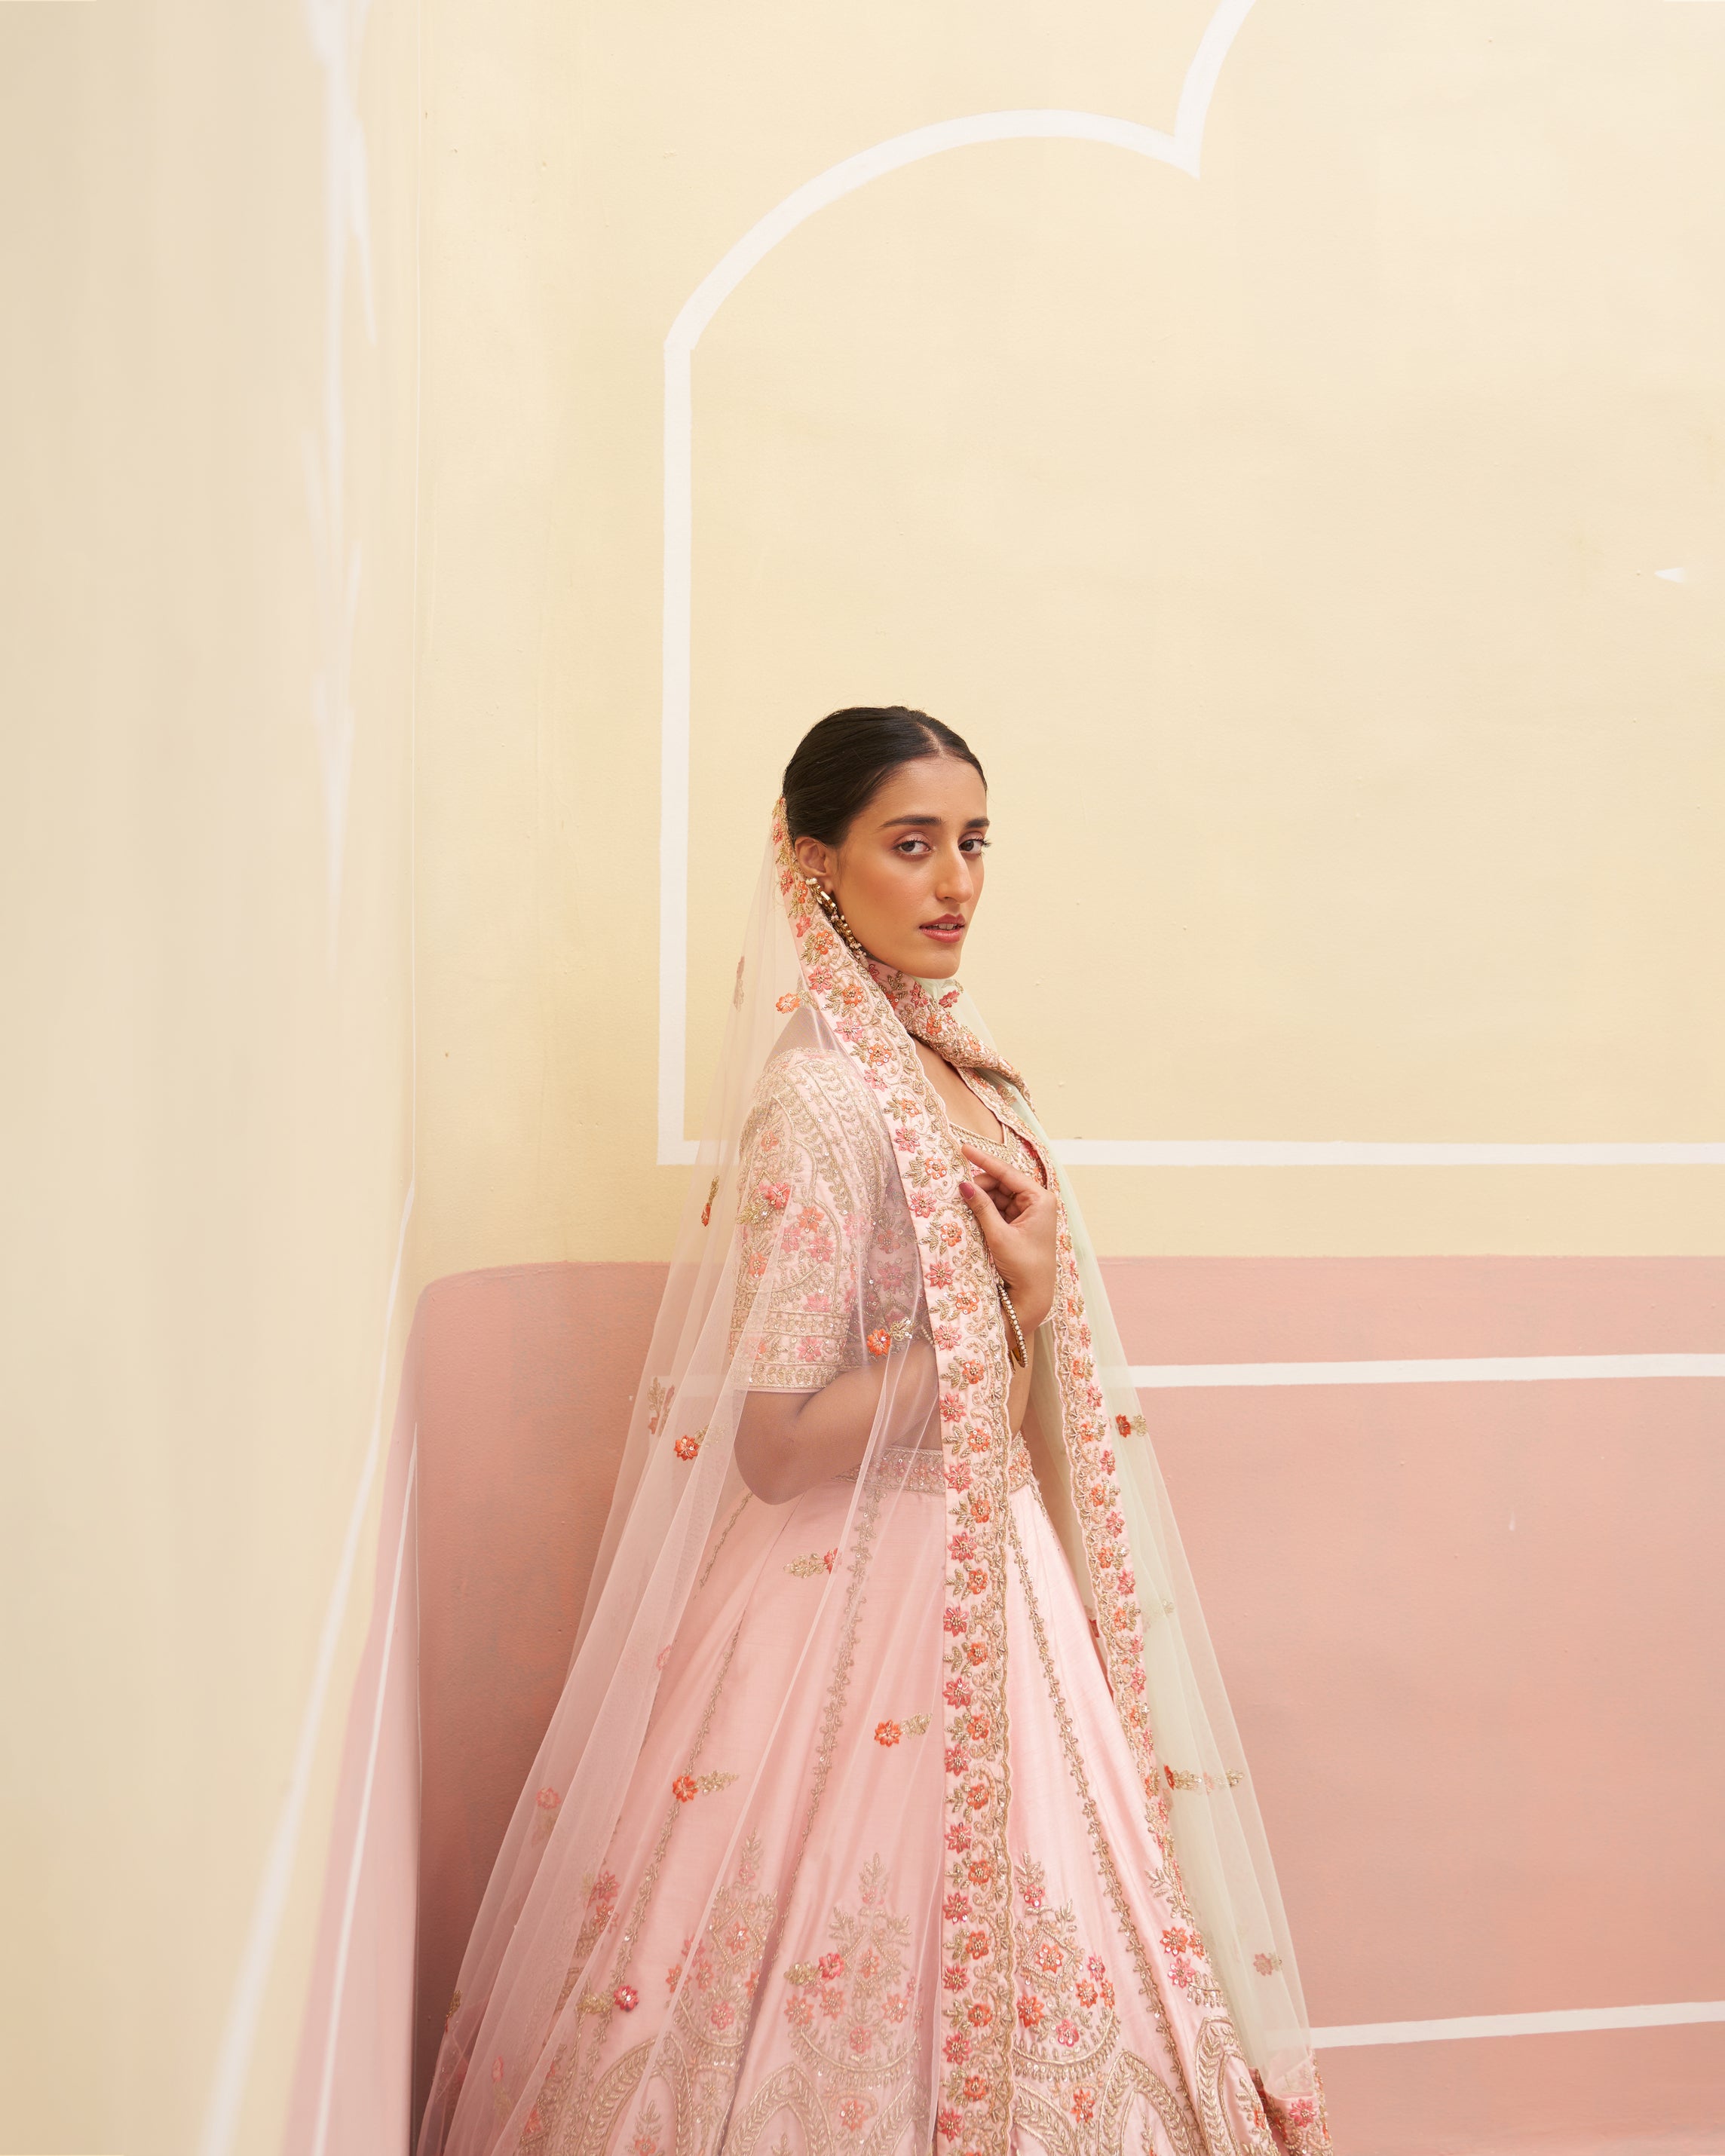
949	931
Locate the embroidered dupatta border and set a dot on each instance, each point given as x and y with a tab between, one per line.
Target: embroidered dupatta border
1297	2125
975	2111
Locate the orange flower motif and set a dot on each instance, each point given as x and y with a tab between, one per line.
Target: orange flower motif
685	1448
879	1340
547	1800
684	1790
627	1997
886	1733
788	1002
1122	1426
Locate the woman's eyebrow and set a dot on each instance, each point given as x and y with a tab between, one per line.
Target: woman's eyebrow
933	823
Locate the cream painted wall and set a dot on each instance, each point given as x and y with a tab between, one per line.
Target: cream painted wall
1285	539
208	1081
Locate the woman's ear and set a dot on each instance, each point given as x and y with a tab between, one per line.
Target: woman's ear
814	859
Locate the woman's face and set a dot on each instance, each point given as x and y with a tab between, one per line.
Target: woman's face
908	875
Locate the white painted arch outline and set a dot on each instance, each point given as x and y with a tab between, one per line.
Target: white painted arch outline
1181	150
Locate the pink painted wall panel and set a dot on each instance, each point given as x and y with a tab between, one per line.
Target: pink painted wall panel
1470	1632
526	1378
1321	1310
1488	1754
1615	2093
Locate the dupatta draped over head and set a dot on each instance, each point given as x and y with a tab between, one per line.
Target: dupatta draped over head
820	1851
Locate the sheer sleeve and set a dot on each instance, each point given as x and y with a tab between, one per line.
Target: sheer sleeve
809	1195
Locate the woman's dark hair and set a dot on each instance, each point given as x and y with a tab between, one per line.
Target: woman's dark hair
845	759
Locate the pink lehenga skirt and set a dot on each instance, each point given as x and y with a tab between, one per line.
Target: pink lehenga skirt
758	1965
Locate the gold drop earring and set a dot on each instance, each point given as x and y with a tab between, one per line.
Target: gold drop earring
829	906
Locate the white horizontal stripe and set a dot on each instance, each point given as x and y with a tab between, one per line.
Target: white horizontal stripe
1439	1370
1518	2025
1360	1152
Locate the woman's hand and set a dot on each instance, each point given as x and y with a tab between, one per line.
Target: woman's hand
1017	1217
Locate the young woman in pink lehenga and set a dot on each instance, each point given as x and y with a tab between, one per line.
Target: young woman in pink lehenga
892	1802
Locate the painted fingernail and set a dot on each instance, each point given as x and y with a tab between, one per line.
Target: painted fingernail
968	1189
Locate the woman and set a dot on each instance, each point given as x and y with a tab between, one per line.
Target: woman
893	1801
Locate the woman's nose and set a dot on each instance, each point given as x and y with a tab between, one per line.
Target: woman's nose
955	882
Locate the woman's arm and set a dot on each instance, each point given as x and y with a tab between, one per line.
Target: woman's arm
787	1442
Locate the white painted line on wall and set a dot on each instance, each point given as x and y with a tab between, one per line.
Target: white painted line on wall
1353	1152
239	2032
1461	2027
339	1981
1181	150
1439	1370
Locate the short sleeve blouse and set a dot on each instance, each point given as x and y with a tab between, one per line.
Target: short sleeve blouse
825	1253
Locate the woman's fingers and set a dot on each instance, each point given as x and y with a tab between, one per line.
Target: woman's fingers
996	1233
1011	1179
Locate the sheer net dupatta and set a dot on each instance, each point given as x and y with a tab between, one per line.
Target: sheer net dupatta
734	1823
1116	1520
777	1877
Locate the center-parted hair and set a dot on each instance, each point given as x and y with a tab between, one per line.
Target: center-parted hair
845	759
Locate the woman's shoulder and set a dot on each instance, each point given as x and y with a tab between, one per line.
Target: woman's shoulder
811	1083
